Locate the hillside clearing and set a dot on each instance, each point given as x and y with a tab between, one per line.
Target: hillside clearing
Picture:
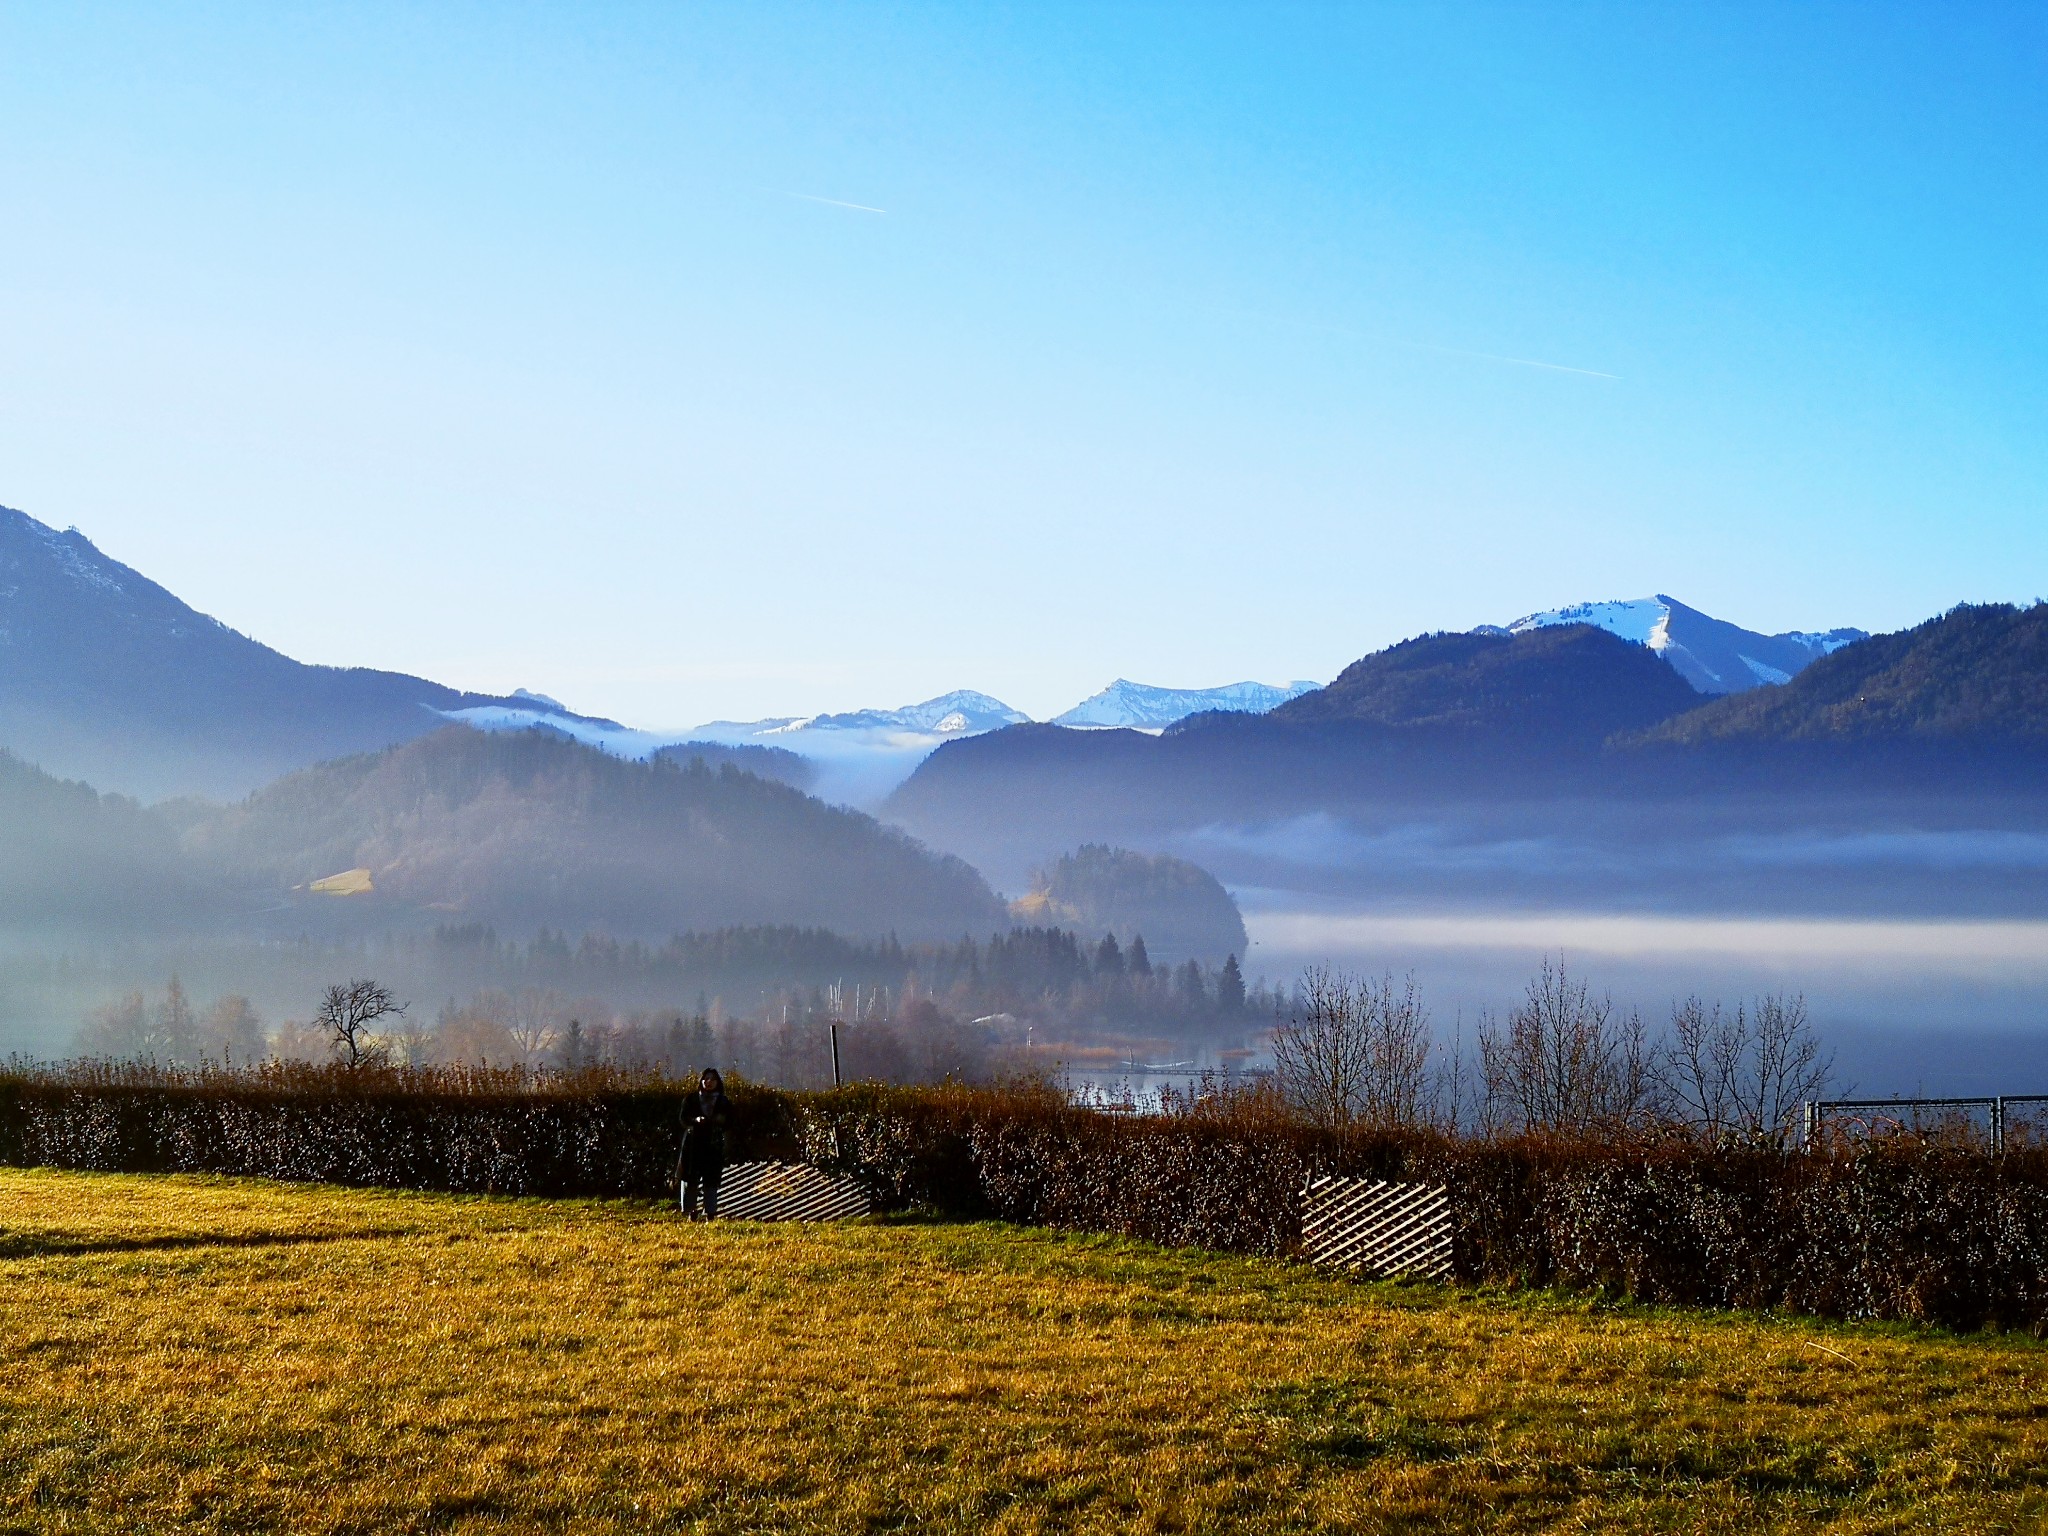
221	1355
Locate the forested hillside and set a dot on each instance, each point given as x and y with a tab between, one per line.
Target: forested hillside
69	854
525	831
1977	674
1437	717
1570	683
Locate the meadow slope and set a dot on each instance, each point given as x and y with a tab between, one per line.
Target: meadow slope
188	1353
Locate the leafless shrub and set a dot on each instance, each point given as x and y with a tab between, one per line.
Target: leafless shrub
1565	1061
1354	1050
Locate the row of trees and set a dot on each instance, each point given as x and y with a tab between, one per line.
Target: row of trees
360	1023
1050	975
1347	1050
352	1024
174	1029
1359	1050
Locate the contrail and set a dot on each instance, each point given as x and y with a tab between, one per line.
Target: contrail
833	202
1524	362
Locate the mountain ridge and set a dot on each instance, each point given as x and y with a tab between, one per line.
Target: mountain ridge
1551	682
1142	706
113	679
1556	714
1978	671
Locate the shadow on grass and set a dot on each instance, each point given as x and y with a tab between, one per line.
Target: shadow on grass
19	1245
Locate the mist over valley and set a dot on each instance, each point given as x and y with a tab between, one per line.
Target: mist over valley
1680	804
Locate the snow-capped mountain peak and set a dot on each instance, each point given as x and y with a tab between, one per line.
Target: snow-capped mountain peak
1711	654
1141	706
962	710
862	754
1645	620
1828	641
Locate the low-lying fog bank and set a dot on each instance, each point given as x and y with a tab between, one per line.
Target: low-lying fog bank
1912	1006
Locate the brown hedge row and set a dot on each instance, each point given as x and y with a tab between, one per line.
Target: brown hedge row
1902	1227
1924	1228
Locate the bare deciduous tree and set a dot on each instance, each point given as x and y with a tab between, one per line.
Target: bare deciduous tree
533	1020
346	1012
176	1027
1565	1061
116	1029
163	1032
1747	1075
231	1033
413	1043
1354	1050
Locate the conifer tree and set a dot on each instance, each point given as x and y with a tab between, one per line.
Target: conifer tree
1230	987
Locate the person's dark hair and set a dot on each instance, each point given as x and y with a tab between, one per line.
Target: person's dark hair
717	1082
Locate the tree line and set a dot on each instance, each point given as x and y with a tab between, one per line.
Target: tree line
1360	1051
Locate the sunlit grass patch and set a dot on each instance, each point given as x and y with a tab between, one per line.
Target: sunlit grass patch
222	1355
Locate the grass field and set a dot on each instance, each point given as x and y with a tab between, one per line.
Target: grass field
217	1355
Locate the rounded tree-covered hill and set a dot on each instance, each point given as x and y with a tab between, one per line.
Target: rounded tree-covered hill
525	829
1179	909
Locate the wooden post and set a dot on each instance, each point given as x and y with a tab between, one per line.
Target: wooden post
835	1053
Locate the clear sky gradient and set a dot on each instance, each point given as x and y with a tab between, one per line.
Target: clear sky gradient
744	360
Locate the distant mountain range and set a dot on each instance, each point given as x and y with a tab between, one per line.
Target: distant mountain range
962	712
1954	711
862	755
1139	706
1636	712
110	678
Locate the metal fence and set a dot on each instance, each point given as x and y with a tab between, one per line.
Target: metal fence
1894	1113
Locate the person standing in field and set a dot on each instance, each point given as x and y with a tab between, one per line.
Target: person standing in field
702	1161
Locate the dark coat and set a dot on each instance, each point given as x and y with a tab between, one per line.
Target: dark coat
705	1118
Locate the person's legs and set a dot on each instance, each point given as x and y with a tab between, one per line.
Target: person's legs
711	1178
689	1197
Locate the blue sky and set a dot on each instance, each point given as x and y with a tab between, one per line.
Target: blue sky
531	345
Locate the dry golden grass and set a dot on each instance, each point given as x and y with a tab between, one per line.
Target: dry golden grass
216	1355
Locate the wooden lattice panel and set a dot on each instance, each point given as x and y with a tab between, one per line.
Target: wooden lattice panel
787	1192
1378	1227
